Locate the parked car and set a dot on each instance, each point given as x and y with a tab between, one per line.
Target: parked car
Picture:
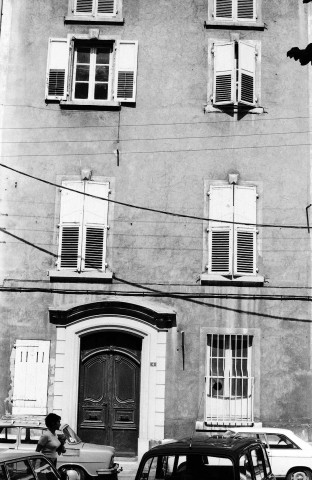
87	459
202	458
26	466
289	455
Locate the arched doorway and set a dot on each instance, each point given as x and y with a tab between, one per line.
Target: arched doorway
109	390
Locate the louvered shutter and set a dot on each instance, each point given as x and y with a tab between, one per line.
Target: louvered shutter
224	74
84	6
30	386
71	215
245	211
220	239
223	9
246	73
57	69
246	9
95	226
126	71
105	7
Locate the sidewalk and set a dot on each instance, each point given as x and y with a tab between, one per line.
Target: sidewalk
129	467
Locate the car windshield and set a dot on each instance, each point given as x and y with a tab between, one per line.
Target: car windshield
70	435
187	467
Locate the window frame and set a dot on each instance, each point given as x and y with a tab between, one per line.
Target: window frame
234	21
93	17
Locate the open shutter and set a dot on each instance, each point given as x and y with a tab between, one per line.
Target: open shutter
71	226
57	69
30	387
246	9
220	234
84	6
246	73
95	226
224	74
245	211
106	7
126	71
223	9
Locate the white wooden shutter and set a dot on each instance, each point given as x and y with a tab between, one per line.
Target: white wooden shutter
84	6
71	215
224	74
246	9
245	211
57	69
106	7
220	239
30	386
223	9
246	73
95	226
126	70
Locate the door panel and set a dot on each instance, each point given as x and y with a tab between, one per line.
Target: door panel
109	400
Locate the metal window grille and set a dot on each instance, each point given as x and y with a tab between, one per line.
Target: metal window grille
229	386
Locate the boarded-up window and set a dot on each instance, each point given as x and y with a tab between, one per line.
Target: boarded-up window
95	7
235	10
30	387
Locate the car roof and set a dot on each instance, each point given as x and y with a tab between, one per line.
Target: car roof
261	430
204	445
18	454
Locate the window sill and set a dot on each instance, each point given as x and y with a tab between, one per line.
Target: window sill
244	280
94	20
85	277
90	104
208	108
235	25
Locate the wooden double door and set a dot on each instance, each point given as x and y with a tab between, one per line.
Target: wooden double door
109	399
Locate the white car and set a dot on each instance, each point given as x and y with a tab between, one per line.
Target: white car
289	455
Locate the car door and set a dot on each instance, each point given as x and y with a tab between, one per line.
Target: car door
284	454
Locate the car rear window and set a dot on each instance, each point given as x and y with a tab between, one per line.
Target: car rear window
187	467
8	434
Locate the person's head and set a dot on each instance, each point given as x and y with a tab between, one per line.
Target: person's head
53	421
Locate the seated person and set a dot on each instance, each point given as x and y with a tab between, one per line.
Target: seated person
192	469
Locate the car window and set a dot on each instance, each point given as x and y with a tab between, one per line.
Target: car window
70	435
280	441
244	468
189	467
258	463
8	434
20	470
266	461
43	469
2	473
31	435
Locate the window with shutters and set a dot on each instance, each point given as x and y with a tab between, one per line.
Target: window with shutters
98	11
234	75
240	13
83	226
231	237
98	72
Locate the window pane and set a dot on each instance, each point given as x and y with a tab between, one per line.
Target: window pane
102	56
244	468
31	436
100	91
20	470
82	73
257	461
43	469
81	90
8	435
101	74
83	55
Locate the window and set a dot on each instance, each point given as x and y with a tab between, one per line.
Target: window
20	470
280	441
244	468
99	11
229	386
257	461
98	72
83	226
43	469
246	13
30	436
31	362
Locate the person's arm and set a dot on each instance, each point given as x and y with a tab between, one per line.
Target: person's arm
41	443
39	448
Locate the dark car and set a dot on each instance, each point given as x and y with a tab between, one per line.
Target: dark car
27	466
208	458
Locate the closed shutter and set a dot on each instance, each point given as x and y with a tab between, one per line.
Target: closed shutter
245	211
71	215
223	9
57	69
224	74
84	6
95	226
246	73
126	71
245	9
30	386
106	7
220	242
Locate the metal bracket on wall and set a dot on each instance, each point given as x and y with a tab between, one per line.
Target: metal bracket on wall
307	214
182	347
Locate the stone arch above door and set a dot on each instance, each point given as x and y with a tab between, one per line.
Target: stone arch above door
76	321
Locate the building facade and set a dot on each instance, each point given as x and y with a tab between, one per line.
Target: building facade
155	256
